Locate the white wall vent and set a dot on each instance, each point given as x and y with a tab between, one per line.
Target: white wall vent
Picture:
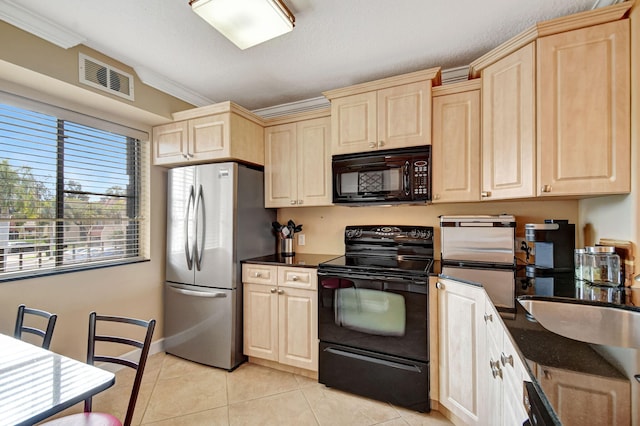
104	77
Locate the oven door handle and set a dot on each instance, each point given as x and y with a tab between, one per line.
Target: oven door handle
347	275
385	362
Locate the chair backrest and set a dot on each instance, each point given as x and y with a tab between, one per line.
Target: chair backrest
46	334
139	366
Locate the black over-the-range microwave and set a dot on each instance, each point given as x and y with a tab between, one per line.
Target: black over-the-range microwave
383	177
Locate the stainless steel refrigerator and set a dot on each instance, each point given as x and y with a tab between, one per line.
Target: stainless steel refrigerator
215	219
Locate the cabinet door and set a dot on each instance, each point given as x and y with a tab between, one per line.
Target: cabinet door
298	328
353	123
514	374
260	321
456	147
314	162
209	137
584	111
404	115
508	126
461	345
170	143
491	396
281	166
590	398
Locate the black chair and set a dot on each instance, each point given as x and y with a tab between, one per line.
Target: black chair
89	418
45	334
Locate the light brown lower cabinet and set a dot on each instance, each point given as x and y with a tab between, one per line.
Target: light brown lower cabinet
592	400
281	314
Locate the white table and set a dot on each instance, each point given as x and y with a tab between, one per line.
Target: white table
36	383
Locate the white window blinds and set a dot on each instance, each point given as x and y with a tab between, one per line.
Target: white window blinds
70	194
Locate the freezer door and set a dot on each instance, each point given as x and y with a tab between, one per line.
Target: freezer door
200	325
181	200
215	191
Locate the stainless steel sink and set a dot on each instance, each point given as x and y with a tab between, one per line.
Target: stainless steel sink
587	322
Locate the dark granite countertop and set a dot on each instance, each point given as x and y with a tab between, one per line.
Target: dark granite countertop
545	348
305	260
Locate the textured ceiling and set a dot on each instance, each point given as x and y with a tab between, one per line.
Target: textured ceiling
335	43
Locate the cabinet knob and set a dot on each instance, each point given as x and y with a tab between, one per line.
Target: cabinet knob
293	202
381	143
485	194
488	317
496	371
300	202
506	359
372	144
294	278
257	274
547	375
436	196
185	156
280	291
546	188
273	290
439	286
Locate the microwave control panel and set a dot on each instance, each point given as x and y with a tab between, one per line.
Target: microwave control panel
421	177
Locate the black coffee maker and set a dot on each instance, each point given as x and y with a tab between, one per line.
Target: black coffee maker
553	248
554	244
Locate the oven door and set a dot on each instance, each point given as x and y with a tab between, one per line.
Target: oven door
381	314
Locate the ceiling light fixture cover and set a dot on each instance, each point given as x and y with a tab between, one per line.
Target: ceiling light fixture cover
246	22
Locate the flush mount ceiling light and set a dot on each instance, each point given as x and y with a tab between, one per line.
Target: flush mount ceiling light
246	22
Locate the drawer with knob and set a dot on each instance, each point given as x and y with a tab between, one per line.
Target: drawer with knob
305	278
259	274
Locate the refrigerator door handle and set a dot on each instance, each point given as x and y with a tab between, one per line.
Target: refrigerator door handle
197	293
200	229
187	249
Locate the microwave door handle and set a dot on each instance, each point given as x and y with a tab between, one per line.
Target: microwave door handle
405	175
366	166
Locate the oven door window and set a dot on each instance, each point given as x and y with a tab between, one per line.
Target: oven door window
370	313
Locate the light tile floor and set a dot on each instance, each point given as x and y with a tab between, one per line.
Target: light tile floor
182	393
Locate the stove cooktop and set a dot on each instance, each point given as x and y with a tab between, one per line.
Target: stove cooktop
405	265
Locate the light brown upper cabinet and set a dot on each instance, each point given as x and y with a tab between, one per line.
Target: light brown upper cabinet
298	162
219	132
508	126
556	108
384	114
584	144
456	142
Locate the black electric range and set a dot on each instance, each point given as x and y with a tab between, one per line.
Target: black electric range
373	315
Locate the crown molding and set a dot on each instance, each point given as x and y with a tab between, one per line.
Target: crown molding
293	107
454	75
37	25
169	86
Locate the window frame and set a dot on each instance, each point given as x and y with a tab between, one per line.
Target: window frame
137	141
